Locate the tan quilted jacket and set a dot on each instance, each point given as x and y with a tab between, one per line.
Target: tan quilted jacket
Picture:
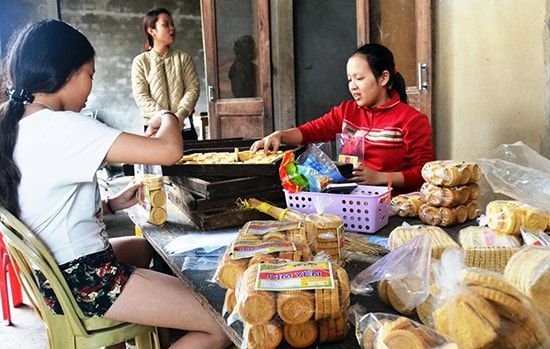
168	82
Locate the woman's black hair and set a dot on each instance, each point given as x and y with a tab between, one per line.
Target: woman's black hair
40	58
380	58
150	21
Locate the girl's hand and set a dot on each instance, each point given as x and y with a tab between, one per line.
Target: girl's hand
156	120
366	176
153	124
270	141
126	197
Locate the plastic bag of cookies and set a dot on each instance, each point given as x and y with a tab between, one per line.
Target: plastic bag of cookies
486	248
440	240
509	216
529	271
436	195
451	172
402	277
302	303
261	242
448	216
325	232
479	308
390	331
406	205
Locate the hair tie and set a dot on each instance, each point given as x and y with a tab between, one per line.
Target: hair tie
21	96
395	71
148	47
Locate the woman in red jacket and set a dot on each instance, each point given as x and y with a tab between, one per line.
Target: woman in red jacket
396	136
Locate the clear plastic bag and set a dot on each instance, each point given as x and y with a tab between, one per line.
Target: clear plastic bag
519	172
321	163
403	274
390	331
479	308
151	195
350	148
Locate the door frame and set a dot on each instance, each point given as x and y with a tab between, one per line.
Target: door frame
224	110
420	96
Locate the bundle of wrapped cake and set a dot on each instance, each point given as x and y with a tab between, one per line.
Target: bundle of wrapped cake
276	289
486	248
479	308
509	216
387	331
406	205
401	278
450	192
303	303
439	238
529	270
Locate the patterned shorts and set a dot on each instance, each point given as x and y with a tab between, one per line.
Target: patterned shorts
95	280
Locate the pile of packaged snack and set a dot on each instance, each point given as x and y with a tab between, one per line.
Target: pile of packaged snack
278	290
458	306
448	196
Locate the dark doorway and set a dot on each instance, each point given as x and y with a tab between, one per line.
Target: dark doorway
324	37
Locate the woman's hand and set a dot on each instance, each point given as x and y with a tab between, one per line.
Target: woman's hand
272	141
156	120
153	124
126	197
367	176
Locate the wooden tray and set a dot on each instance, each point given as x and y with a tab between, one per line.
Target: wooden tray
215	219
220	170
216	188
193	202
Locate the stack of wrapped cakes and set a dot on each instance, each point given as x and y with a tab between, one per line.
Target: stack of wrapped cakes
450	192
274	287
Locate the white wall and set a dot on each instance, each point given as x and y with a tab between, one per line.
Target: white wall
490	77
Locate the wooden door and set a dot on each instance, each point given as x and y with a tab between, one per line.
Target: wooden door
405	27
238	70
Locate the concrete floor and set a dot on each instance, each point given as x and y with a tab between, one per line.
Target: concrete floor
27	330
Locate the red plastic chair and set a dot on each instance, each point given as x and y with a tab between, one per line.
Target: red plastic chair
7	273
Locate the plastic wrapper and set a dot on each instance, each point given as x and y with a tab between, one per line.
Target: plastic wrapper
261	242
450	173
509	216
291	179
150	195
479	308
519	172
389	331
350	149
448	216
402	276
529	270
486	248
436	195
406	205
200	251
439	239
325	232
301	303
321	163
535	238
317	181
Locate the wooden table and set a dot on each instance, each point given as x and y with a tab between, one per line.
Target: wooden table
212	296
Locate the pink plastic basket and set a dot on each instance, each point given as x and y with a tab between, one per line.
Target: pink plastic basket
364	210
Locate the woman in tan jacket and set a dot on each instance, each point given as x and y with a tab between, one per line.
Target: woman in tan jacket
164	78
